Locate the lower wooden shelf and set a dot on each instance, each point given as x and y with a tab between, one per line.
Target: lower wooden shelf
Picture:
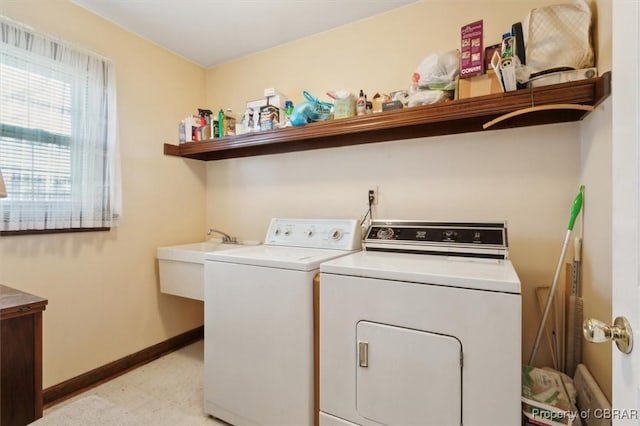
452	117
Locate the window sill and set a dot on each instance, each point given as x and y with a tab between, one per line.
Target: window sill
50	231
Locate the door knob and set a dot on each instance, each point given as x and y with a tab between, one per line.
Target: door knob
596	331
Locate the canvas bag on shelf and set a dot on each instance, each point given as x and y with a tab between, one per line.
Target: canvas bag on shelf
559	36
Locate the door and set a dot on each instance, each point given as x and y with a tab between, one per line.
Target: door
626	200
408	377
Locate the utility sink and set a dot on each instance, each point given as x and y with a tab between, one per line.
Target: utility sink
182	267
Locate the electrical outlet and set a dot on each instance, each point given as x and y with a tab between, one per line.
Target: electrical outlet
373	196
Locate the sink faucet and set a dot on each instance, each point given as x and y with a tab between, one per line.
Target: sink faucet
226	238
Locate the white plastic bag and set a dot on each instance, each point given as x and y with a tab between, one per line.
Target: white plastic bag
438	69
559	36
435	79
427	97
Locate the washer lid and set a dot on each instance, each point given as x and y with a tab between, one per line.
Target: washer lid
462	272
295	258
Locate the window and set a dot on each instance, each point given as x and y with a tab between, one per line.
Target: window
58	145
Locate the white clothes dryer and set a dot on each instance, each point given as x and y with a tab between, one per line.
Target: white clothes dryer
258	303
422	328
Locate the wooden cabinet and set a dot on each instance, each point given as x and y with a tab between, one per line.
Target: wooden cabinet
556	103
20	356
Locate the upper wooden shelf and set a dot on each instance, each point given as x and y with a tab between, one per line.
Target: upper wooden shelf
459	116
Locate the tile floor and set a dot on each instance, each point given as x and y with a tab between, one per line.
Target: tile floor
167	391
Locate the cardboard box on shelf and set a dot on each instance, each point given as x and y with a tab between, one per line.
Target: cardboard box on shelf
269	116
485	84
277	101
379	99
388	106
344	107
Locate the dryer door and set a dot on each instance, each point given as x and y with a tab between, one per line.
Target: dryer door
408	377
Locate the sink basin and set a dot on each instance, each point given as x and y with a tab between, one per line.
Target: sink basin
182	267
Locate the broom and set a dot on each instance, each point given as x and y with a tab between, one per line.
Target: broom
575	209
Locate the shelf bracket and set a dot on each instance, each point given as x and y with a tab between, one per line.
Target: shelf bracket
528	110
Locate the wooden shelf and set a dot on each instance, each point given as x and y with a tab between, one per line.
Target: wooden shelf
459	116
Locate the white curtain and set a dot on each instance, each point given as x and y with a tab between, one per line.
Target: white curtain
58	143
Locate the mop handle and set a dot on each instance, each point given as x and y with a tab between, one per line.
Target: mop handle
575	209
547	306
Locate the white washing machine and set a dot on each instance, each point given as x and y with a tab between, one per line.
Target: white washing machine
259	322
422	328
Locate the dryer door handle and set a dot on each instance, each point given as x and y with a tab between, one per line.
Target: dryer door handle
363	354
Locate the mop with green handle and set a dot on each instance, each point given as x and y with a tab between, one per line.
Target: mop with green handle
575	209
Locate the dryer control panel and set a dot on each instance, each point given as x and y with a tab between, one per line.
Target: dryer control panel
474	239
339	234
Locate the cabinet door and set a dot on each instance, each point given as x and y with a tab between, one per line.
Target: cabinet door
17	371
408	377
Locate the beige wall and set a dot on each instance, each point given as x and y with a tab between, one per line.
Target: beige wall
596	175
377	54
528	176
595	154
102	287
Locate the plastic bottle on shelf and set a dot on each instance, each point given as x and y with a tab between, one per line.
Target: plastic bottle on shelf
288	110
361	104
182	132
221	123
230	123
507	45
215	133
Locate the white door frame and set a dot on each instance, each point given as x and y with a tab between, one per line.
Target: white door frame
626	202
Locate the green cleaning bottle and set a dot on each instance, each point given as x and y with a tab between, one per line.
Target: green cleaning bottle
221	124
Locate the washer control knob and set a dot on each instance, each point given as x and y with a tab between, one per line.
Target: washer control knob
310	233
449	236
336	234
277	231
287	231
385	233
